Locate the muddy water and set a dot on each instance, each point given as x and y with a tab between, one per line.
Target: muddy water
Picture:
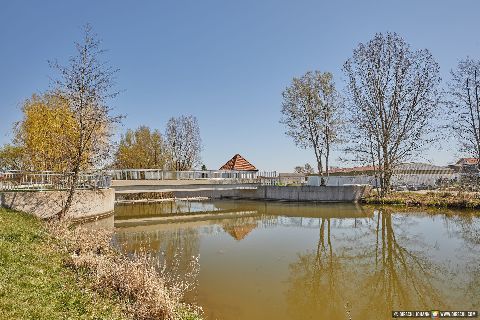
272	260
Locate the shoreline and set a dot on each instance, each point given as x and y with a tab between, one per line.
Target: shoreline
55	271
441	200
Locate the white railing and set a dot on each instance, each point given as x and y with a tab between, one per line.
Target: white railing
48	180
158	174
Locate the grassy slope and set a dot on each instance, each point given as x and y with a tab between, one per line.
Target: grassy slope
34	283
458	200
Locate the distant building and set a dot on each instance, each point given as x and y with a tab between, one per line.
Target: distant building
421	168
350	171
291	178
238	163
240	167
465	165
411	175
404	168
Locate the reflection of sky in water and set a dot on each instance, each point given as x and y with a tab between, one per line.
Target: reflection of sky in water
274	263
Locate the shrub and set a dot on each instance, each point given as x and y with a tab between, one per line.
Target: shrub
145	290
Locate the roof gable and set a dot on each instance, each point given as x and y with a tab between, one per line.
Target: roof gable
238	163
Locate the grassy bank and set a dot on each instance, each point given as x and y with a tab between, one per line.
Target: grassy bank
454	200
56	271
35	284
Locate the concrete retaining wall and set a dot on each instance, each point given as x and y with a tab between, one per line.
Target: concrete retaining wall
46	204
179	187
304	193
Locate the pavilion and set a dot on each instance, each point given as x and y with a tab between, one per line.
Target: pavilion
241	167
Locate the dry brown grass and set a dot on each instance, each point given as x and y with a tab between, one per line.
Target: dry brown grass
442	199
145	290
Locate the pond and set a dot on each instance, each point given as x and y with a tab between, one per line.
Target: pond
275	260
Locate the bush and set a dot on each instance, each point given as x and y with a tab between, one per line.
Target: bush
146	293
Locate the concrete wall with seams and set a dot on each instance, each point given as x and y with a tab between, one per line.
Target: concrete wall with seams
46	204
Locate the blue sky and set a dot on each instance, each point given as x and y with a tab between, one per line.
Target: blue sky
226	62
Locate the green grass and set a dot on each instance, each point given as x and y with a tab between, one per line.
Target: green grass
35	284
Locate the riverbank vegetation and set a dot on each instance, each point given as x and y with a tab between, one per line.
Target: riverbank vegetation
439	199
56	271
35	284
143	148
391	110
69	129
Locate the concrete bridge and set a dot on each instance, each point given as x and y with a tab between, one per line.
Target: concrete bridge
224	190
141	186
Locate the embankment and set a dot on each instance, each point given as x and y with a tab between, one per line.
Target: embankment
351	193
46	204
437	199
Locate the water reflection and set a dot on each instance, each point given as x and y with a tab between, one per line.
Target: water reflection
468	228
240	228
282	260
316	279
404	273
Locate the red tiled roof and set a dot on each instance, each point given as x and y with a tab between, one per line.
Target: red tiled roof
464	161
238	163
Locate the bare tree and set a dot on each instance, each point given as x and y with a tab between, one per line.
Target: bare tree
311	113
183	142
393	100
307	169
465	105
87	85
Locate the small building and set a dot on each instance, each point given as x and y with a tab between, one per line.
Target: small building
238	163
466	165
291	178
411	175
240	168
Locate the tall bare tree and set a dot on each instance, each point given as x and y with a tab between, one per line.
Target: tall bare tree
311	114
183	142
393	99
87	84
465	105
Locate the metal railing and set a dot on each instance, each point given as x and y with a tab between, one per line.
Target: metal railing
158	174
47	180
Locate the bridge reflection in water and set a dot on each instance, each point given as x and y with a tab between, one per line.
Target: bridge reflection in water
264	260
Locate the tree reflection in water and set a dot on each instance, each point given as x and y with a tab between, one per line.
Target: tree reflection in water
175	252
403	277
364	276
316	281
468	228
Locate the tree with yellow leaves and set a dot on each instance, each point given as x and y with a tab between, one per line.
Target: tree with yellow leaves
141	149
46	133
12	157
69	129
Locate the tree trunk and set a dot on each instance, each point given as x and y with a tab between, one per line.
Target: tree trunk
71	192
477	104
320	169
387	177
327	157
